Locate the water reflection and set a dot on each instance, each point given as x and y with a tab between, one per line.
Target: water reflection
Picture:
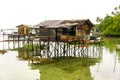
108	68
104	64
24	54
105	67
70	68
66	69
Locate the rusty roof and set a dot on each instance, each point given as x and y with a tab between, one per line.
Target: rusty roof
62	23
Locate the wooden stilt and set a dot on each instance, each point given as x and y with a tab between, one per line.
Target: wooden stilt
74	50
18	41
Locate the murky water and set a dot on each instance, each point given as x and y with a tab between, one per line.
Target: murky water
11	68
107	68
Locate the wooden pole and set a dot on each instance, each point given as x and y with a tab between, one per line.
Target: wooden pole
32	45
48	49
13	42
18	41
74	49
24	41
8	41
64	49
40	47
3	40
55	49
67	50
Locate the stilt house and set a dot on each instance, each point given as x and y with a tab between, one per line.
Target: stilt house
27	30
65	30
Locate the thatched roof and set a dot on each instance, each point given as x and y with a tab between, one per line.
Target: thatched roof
63	23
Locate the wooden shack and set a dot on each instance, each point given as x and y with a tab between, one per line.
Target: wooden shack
65	30
27	30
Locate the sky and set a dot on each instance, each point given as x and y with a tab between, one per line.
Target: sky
32	12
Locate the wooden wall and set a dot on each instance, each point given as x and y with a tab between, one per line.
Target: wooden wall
23	30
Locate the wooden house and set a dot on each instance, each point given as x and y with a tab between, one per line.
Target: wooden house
27	30
65	30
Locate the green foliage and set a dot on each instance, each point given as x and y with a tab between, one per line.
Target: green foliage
106	22
98	19
113	29
116	10
98	28
110	25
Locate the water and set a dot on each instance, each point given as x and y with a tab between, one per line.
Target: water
109	66
12	67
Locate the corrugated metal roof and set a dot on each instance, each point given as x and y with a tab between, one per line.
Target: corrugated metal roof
30	26
62	23
50	23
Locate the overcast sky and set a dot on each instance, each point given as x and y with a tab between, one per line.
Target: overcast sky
16	12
